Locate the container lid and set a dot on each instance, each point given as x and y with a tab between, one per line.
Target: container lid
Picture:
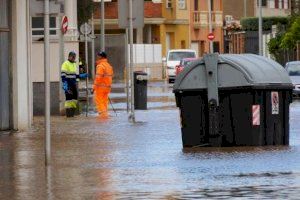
235	71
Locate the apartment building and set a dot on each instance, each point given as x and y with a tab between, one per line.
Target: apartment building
199	26
166	23
235	10
22	58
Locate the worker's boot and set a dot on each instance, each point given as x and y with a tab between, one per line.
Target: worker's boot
70	112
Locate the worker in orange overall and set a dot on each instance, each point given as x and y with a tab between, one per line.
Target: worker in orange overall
102	84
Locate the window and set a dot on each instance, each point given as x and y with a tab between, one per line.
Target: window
169	4
276	3
212	4
38	23
196	5
271	4
181	4
263	3
294	69
177	56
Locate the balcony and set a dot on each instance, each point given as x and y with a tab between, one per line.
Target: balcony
200	19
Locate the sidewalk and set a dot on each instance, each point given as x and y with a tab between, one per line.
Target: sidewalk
160	96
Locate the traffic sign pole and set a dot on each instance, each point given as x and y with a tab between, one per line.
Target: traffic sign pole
211	49
87	69
47	82
132	114
61	58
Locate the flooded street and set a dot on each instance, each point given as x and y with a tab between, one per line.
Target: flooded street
113	159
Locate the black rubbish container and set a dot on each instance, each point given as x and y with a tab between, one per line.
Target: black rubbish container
234	100
140	90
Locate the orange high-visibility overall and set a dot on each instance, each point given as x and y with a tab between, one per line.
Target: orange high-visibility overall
102	86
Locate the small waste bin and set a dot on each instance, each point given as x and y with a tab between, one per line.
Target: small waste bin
234	100
140	90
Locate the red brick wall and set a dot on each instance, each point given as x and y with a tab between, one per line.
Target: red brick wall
151	10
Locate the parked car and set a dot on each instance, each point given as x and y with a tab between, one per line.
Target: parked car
173	58
183	63
293	69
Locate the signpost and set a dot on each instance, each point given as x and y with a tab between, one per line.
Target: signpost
211	36
131	15
47	82
211	46
64	24
86	29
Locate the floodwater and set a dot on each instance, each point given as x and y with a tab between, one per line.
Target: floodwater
113	159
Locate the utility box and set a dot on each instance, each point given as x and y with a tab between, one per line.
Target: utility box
234	100
140	90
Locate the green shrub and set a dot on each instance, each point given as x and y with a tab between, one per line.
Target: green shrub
251	23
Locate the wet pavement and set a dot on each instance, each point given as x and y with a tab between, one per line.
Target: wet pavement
94	158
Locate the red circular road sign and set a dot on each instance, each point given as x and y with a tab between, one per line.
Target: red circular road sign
64	24
211	36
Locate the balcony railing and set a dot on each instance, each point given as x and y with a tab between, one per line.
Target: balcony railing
200	18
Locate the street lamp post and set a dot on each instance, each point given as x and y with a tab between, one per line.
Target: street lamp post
260	39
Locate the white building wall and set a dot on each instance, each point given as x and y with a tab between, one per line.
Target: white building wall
21	69
37	56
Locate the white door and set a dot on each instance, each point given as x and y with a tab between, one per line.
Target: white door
168	42
195	47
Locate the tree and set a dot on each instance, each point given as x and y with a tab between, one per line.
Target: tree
292	36
85	10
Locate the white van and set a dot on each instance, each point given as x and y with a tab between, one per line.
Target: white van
173	59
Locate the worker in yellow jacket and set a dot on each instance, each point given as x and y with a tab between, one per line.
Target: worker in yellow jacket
69	77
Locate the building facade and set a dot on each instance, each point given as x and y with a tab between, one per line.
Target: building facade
166	23
199	27
22	59
175	31
235	10
58	8
15	87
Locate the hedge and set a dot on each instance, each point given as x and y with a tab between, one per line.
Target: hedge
251	23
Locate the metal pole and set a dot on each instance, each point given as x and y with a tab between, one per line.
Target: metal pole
47	82
245	8
61	58
127	72
93	48
132	114
87	71
211	47
102	26
260	29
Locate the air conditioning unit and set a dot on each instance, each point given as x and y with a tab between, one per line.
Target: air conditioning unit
169	4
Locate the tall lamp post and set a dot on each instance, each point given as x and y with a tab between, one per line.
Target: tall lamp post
260	39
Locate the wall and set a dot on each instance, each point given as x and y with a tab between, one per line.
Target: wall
151	10
179	33
115	47
183	13
5	75
38	60
20	65
236	8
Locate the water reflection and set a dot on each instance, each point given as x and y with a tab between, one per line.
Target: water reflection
113	159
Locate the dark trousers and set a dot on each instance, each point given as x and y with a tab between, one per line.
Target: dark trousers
71	100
